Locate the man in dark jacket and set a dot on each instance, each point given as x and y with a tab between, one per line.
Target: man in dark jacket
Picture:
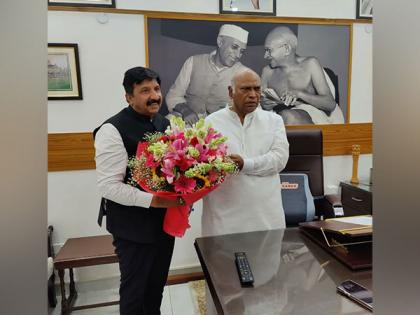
134	217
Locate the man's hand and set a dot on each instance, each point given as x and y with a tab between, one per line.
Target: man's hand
188	115
239	161
268	104
289	98
159	202
190	119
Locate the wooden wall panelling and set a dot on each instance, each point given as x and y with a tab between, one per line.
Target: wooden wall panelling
75	151
70	151
338	139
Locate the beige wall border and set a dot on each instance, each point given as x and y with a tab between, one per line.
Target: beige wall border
75	151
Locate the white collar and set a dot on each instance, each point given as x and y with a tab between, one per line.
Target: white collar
248	117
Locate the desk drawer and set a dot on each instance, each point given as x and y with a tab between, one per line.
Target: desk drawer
356	201
349	211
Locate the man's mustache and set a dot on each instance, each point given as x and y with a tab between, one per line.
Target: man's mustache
151	102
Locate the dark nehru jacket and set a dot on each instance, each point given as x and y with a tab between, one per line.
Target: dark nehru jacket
130	222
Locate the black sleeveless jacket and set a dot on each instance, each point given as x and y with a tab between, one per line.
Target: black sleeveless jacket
132	223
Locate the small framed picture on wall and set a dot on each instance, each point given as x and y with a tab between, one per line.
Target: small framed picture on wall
364	9
252	7
83	3
64	72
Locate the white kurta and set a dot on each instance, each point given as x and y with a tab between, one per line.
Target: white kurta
250	201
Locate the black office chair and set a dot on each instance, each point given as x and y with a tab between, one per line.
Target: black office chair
306	156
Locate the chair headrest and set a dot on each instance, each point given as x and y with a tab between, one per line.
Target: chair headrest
305	141
305	156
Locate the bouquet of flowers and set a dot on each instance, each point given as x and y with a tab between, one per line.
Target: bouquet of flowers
181	162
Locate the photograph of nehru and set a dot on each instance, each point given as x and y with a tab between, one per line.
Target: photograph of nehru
201	86
304	68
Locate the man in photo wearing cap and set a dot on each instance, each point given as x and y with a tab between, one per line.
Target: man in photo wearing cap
201	85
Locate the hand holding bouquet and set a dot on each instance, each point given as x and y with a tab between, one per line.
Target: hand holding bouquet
182	162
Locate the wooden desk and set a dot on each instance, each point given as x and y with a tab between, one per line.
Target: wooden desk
292	275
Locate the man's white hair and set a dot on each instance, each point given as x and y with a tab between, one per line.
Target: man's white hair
240	73
283	33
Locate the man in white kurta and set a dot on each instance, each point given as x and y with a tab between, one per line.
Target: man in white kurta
251	200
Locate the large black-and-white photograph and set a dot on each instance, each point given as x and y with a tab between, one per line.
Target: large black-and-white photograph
364	9
304	68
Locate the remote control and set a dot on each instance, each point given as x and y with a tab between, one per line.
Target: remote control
244	270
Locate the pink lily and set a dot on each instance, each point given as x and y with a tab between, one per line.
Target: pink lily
222	149
203	153
180	144
211	134
168	170
176	150
178	155
184	185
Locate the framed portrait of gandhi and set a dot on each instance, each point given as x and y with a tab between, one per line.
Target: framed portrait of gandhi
304	64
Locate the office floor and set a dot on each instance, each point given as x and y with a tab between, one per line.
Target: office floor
177	299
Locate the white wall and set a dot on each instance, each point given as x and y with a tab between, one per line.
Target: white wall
107	50
334	9
361	83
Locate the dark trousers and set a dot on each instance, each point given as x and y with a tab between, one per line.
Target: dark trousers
144	270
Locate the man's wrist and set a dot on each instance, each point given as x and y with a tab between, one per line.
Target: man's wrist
248	165
183	109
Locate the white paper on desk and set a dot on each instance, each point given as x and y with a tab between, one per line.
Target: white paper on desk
362	220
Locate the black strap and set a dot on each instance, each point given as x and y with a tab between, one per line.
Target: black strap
102	211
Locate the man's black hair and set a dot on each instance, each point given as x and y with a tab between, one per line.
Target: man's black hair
137	75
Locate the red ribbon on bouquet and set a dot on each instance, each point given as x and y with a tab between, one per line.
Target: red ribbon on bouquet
176	220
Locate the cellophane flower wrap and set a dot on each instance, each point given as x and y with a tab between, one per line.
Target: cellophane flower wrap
181	162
